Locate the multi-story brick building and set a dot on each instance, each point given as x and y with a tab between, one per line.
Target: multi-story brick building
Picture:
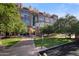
36	19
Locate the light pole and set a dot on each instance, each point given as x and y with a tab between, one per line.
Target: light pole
42	41
41	35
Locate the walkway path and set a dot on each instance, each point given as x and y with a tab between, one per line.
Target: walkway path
24	48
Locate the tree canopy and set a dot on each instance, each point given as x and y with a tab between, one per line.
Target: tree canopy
47	29
10	19
65	24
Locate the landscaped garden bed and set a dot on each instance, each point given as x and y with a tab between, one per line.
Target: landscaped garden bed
51	42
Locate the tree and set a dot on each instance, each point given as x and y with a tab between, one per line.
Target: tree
10	19
59	26
47	29
65	24
70	21
75	30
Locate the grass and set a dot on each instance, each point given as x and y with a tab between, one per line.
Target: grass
50	42
9	41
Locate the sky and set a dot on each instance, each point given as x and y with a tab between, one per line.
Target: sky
60	9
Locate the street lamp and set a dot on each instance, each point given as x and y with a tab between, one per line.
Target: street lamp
38	25
42	41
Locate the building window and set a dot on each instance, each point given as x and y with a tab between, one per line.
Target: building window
41	18
33	20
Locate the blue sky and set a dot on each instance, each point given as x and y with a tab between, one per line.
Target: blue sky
60	9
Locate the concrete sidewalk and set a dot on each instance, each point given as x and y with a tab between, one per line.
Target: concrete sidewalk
24	48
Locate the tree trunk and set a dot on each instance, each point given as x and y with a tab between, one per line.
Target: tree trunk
6	35
70	35
77	37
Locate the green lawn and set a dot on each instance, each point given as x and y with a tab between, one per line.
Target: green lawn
50	42
9	41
